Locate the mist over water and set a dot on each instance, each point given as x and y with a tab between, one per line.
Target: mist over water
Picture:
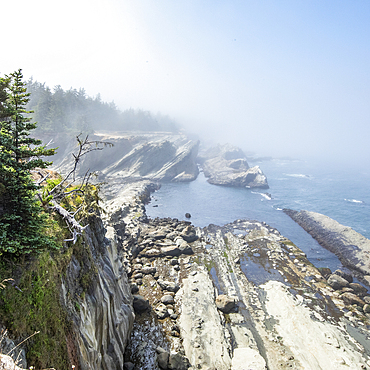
281	79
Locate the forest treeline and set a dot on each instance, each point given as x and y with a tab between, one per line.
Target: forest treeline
72	111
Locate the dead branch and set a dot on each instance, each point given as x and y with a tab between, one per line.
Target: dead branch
60	191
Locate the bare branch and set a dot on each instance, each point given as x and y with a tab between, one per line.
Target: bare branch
68	217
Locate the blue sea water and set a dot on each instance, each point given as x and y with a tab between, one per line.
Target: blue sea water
340	193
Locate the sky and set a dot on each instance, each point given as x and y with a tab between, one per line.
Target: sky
278	78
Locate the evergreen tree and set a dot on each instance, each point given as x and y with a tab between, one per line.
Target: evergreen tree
22	220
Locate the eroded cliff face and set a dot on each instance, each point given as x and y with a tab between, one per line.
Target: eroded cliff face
97	296
154	156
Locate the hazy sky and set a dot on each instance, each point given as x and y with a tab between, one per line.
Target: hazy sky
279	77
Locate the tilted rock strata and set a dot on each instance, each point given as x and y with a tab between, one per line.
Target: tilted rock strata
227	165
352	248
151	156
103	316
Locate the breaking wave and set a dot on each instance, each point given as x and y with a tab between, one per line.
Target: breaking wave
354	201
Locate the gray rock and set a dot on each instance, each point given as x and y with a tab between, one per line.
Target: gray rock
168	285
173	250
344	275
140	304
162	359
358	289
153	252
337	282
366	308
134	288
366	299
225	303
161	311
167	299
350	298
149	270
325	272
128	366
172	235
178	362
189	235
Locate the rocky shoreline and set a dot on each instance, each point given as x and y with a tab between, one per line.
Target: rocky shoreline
232	297
163	294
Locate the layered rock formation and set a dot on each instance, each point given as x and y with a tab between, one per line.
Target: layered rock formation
102	314
155	156
352	248
227	165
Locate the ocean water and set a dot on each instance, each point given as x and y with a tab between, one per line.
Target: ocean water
340	193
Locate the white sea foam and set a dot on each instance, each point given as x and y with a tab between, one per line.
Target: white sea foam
297	175
266	196
354	201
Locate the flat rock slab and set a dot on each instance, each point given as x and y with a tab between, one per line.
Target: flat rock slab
314	344
247	358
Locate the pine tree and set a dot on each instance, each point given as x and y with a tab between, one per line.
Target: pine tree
22	220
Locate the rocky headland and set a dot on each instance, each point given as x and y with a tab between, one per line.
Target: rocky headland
227	165
165	157
352	248
133	157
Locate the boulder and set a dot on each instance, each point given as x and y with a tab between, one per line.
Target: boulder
344	275
178	362
153	252
325	272
140	304
366	299
149	270
350	298
337	282
134	288
189	235
167	299
128	366
162	359
161	311
225	303
168	285
358	289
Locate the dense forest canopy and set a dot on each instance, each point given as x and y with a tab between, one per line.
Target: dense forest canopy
72	111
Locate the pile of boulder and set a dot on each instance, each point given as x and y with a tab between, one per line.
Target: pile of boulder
154	273
352	294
